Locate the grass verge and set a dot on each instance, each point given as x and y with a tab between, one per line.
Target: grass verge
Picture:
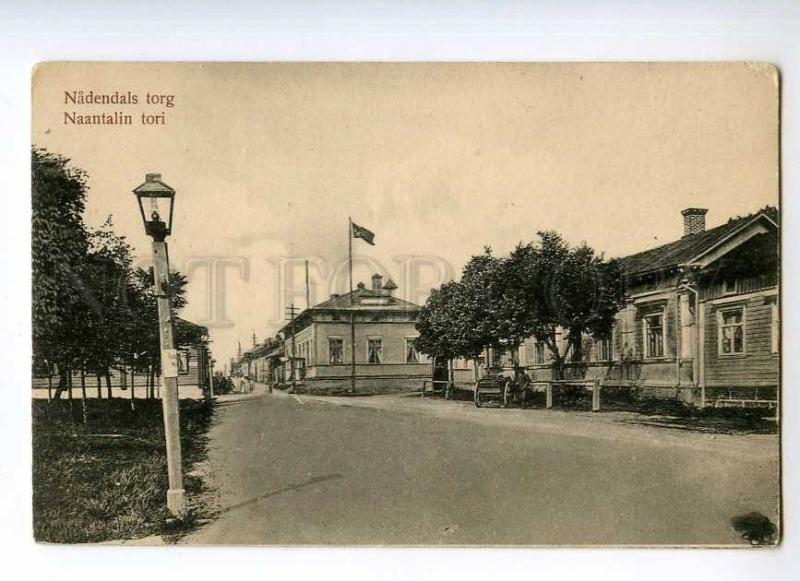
107	479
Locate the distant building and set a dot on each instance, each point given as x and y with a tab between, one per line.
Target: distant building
194	359
316	347
256	365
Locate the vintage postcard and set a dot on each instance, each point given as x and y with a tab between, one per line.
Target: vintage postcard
393	304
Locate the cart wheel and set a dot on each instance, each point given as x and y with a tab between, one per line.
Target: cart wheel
477	397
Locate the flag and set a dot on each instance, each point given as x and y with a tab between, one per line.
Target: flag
366	235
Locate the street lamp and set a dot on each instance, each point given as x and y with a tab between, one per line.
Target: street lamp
156	201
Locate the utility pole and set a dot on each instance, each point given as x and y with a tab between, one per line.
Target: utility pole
291	313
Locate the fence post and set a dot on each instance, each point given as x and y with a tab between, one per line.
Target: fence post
549	394
596	396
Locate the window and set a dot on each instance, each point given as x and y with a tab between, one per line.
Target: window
776	328
411	352
604	349
731	331
654	335
183	362
335	350
729	286
538	353
375	351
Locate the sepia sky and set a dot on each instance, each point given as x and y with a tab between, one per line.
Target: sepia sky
269	160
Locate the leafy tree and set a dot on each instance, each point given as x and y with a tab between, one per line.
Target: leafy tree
478	317
145	345
460	318
59	247
108	272
573	289
437	335
536	291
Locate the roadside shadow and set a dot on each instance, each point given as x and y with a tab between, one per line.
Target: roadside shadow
289	488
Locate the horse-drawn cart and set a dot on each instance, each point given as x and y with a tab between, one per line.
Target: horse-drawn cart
502	390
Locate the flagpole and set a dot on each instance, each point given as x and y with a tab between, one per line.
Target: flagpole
308	289
352	312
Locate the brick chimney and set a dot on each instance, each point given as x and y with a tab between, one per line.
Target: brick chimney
377	282
694	220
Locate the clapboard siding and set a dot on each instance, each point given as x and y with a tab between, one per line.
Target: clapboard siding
744	285
758	365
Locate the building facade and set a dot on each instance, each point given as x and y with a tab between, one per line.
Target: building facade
317	347
701	322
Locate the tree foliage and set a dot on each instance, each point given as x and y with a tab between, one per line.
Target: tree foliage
59	245
539	290
460	319
576	291
92	310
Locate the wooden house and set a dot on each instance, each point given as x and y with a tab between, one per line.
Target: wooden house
701	322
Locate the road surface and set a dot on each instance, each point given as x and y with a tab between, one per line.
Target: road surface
404	471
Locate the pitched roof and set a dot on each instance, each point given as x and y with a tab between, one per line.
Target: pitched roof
361	302
260	350
342	302
184	327
187	323
685	249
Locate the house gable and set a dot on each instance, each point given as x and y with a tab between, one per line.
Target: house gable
699	249
760	224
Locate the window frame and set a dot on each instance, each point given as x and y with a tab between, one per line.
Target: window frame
645	335
380	353
601	344
184	361
331	339
410	341
743	324
730	291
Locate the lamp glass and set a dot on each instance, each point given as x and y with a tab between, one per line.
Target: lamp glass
157	208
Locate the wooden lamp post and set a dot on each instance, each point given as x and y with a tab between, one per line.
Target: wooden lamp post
156	202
